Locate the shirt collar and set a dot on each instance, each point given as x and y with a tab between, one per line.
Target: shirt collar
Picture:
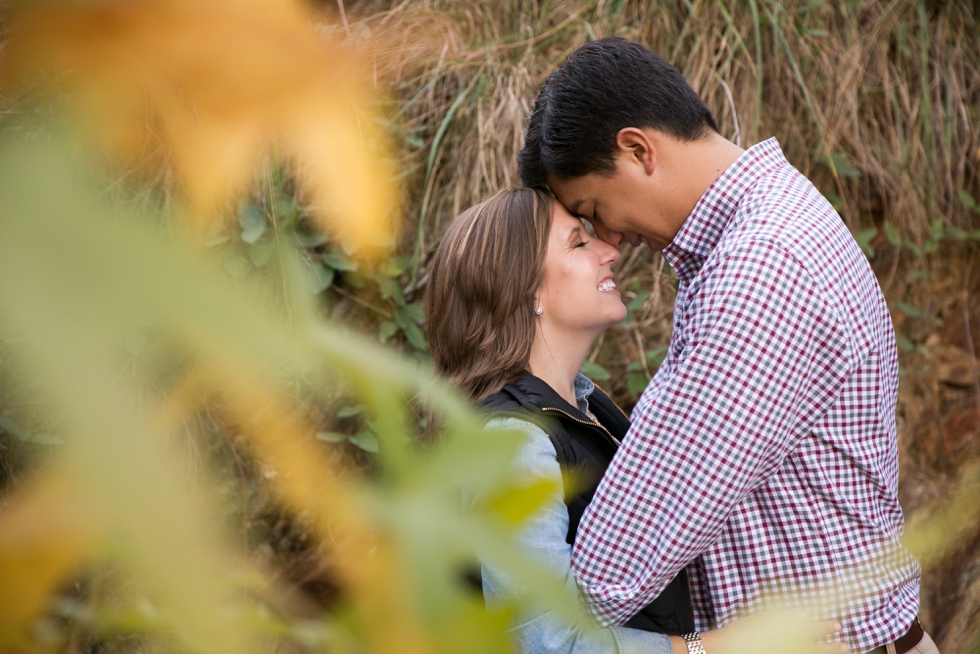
583	389
709	220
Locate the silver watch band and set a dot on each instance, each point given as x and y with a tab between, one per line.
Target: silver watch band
694	644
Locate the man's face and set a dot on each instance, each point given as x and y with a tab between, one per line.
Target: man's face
622	206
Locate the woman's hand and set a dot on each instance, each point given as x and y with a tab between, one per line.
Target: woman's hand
781	631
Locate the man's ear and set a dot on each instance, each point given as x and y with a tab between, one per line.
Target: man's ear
635	143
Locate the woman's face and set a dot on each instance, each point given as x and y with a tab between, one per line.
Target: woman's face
577	293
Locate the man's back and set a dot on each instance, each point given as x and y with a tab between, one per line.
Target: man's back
765	446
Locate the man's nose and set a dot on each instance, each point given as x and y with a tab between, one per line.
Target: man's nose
614	239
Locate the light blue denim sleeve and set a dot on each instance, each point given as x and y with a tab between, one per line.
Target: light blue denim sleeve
543	539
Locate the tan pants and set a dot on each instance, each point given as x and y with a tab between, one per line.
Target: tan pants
925	646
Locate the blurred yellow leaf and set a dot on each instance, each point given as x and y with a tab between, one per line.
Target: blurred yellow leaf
44	534
209	87
516	504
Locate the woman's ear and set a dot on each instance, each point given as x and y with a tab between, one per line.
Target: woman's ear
636	145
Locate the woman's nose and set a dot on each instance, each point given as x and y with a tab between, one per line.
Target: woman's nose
608	254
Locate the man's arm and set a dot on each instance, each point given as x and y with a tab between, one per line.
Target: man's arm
762	357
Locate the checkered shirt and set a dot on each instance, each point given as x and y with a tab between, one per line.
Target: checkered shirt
764	450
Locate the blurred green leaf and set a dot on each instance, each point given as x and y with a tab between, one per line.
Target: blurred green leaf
260	253
411	330
338	261
637	303
251	221
11	427
366	441
396	266
839	161
309	239
594	371
318	278
864	238
636	383
834	200
909	310
286	210
517	504
656	356
350	411
904	343
331	437
47	439
967	199
390	289
893	235
386	330
415	312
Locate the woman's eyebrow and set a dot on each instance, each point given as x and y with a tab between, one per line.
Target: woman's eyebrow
574	234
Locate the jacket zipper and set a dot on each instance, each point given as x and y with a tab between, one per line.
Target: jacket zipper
623	413
585	422
690	591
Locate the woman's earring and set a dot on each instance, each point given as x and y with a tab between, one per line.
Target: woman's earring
538	311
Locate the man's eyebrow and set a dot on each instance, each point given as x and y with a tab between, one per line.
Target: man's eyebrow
574	208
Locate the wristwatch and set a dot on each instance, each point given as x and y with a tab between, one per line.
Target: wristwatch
694	644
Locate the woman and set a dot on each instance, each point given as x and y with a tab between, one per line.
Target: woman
517	293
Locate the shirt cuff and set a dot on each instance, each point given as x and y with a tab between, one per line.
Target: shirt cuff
635	641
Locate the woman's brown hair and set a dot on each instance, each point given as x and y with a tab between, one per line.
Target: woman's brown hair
479	300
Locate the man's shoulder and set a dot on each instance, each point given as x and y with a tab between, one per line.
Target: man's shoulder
785	218
786	204
785	210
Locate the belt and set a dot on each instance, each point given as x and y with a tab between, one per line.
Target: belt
903	644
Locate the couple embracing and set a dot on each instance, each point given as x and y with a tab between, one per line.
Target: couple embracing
760	465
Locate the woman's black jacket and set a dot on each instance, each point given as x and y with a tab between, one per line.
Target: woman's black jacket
585	447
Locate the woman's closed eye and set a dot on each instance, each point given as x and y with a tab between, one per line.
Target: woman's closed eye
580	244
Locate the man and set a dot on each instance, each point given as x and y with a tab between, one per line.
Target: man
763	453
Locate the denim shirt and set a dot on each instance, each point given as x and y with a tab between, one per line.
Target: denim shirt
542	538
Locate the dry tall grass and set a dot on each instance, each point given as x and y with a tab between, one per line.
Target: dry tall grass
875	101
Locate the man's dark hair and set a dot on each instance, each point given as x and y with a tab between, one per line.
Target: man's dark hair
601	88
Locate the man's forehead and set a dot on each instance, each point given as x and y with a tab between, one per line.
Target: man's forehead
569	193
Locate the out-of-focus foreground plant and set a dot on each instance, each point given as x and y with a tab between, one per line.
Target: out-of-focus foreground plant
208	90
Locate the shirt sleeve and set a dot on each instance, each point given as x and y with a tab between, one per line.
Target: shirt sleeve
542	538
760	356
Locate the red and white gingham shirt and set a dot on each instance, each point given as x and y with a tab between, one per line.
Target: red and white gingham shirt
764	450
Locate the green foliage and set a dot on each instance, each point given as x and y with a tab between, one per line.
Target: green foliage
839	164
11	427
638	379
594	371
864	239
78	273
